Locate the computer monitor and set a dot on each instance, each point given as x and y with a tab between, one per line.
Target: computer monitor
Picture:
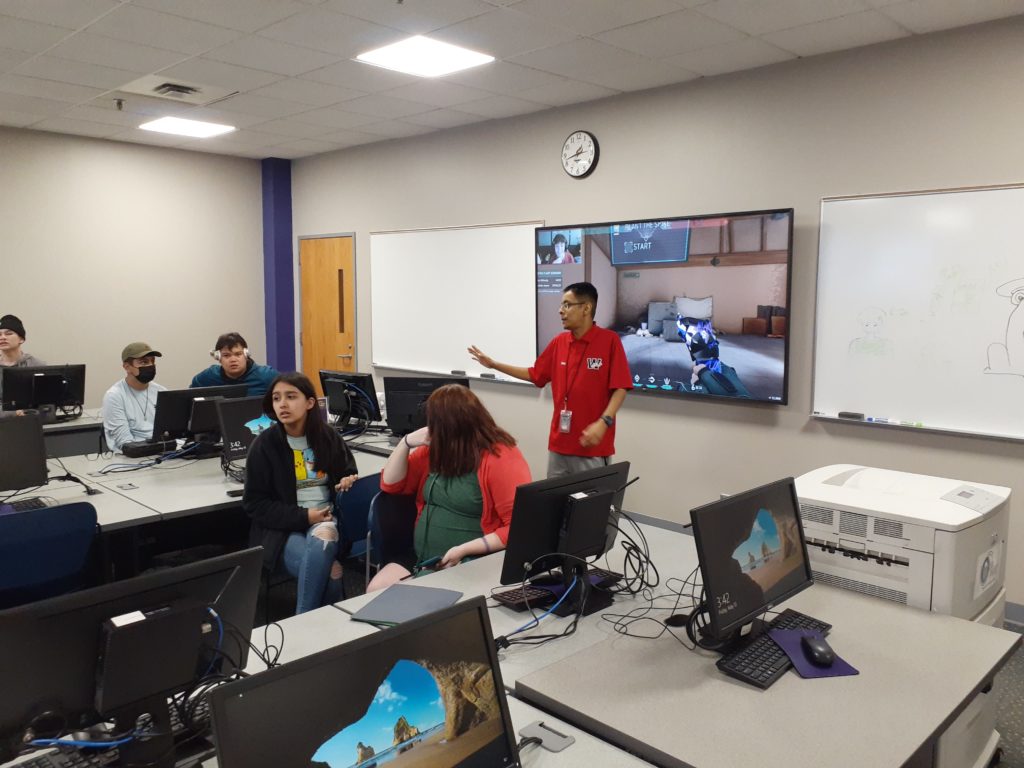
116	651
427	692
24	453
174	408
350	396
241	419
406	397
575	515
60	386
752	555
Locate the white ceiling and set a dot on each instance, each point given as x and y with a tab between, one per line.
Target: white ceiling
300	93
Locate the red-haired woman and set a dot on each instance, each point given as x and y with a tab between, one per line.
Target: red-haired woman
464	470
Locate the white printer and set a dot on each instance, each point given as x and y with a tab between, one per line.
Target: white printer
927	542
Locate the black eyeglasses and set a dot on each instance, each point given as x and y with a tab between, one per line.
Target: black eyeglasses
568	304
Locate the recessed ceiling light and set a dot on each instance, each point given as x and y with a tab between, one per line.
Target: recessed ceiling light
424	57
182	127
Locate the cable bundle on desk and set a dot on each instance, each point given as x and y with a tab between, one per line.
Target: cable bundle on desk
631	622
232	470
120	467
639	572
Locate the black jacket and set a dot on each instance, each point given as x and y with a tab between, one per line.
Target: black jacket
270	498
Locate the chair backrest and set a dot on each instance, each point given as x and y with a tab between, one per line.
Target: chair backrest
353	511
44	551
393	519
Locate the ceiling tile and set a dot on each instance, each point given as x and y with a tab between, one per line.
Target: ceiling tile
350	138
307	92
730	57
76	127
293	128
922	16
335	118
21	35
503	33
671	35
209	72
837	34
110	116
501	106
108	52
260	105
136	104
417	17
301	148
566	91
595	62
437	93
444	118
382	105
80	73
48	89
503	78
396	129
244	15
161	30
10	59
588	17
271	55
247	139
70	14
755	17
362	77
332	32
223	116
18	119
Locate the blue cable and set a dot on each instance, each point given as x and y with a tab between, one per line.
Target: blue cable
220	640
81	744
537	619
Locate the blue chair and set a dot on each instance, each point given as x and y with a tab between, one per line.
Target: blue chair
391	524
352	509
44	552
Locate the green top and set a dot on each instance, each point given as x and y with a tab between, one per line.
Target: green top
451	515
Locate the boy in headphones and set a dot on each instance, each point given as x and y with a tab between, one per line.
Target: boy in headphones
234	366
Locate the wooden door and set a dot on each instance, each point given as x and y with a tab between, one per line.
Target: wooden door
328	313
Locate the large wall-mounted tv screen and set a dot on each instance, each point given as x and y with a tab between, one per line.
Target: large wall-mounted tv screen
701	303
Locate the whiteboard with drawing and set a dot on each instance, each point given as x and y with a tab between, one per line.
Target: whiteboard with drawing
920	320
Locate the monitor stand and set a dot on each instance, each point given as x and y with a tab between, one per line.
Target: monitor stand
596	599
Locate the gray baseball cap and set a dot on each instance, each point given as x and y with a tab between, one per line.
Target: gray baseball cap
138	349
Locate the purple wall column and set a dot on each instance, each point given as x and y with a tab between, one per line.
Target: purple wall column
278	280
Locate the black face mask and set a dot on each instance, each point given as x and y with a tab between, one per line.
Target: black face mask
146	374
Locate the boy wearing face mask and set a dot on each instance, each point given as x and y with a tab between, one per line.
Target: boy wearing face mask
129	406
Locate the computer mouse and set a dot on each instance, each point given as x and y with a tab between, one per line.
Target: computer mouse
817	651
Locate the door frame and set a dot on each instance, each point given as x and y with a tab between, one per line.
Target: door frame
297	277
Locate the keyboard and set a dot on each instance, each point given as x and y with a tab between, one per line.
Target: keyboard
376	450
72	758
761	661
27	505
517	598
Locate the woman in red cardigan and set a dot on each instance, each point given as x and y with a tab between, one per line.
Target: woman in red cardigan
464	470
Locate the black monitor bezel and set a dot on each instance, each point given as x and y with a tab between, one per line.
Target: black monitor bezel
15	378
722	631
536	526
26	432
220	405
181	400
68	679
323	659
395	387
361	382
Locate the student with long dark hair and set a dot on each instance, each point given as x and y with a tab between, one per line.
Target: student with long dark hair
464	470
293	471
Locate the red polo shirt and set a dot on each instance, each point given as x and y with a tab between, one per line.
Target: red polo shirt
583	373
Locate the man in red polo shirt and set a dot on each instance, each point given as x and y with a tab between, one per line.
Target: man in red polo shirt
589	377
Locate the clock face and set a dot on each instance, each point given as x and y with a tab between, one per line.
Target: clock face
579	154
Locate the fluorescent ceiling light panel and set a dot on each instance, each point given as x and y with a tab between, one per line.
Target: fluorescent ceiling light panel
424	57
179	126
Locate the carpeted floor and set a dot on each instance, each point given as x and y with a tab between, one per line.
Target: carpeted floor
1010	720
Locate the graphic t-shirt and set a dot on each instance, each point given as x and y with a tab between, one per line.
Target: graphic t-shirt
310	486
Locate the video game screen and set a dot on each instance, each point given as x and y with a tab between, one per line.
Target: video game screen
752	553
700	303
426	699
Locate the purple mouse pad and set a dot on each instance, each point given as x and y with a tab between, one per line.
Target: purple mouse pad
789	641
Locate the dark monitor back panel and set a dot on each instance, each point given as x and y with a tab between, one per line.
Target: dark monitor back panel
357	388
174	408
405	398
241	420
752	553
538	515
427	692
33	386
24	454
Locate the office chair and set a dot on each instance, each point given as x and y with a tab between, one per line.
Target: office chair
391	524
352	509
44	552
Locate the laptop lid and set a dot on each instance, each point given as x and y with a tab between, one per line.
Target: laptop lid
427	692
241	420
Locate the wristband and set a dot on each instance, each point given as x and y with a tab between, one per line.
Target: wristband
405	439
487	547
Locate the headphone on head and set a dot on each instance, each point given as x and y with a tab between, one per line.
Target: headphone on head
215	354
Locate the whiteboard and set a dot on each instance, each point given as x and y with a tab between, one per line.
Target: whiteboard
435	292
920	320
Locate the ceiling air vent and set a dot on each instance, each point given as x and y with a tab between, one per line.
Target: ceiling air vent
175	90
179	91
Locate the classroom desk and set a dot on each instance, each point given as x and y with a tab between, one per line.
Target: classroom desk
74	437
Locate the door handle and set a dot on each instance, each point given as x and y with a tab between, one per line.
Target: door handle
346	356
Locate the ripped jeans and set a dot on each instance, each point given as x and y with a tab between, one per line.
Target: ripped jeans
308	557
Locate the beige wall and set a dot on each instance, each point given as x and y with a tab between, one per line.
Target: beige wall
940	111
104	243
